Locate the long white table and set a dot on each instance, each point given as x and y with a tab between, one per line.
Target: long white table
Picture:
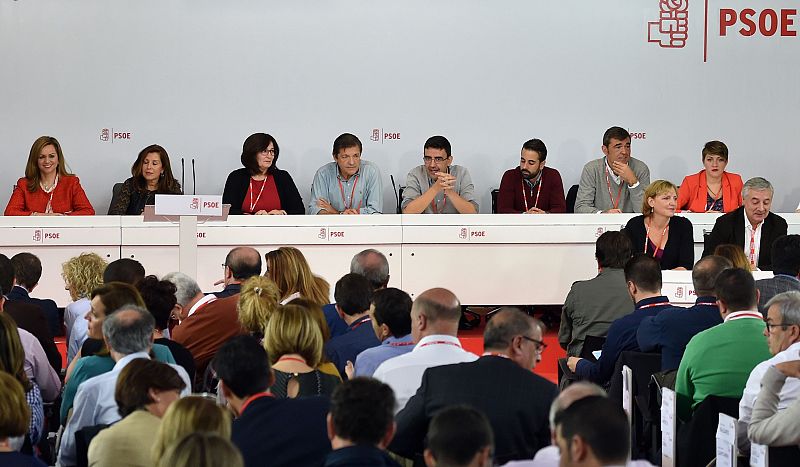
484	258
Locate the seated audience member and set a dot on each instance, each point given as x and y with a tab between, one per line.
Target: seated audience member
145	390
592	305
82	274
28	316
390	311
268	429
360	424
12	361
27	272
500	384
712	189
294	342
459	437
434	327
319	318
192	414
260	187
151	176
48	189
735	255
616	182
258	299
201	450
770	426
670	331
188	296
125	270
718	360
241	264
336	188
159	299
129	335
755	236
531	188
658	232
783	338
643	276
14	422
353	295
289	270
437	186
593	431
786	270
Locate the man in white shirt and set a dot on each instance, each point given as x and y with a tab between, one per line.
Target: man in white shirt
783	336
434	326
129	335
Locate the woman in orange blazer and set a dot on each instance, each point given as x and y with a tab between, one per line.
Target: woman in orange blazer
712	189
48	189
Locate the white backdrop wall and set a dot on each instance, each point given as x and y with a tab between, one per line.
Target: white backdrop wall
199	76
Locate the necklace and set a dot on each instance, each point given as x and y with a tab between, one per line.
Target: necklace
660	239
254	203
50	187
715	194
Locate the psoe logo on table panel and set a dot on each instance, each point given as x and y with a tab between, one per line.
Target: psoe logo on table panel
671	29
111	135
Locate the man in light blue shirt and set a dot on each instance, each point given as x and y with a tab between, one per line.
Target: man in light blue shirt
347	185
391	320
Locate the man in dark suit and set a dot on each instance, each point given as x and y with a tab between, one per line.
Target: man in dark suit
27	272
353	294
500	384
761	224
786	270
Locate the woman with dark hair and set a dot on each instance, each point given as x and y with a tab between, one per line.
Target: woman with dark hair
712	189
152	175
260	187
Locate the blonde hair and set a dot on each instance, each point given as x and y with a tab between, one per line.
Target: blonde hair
83	273
188	415
735	254
201	450
258	299
316	312
656	188
292	329
14	411
288	268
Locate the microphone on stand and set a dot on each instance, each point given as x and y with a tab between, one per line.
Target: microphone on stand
194	179
183	177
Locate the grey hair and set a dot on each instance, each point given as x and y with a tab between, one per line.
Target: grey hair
758	184
789	306
373	265
128	335
582	388
186	287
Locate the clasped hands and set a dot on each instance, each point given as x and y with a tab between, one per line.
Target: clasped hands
444	181
323	204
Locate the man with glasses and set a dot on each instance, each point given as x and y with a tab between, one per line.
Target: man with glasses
783	338
500	384
437	186
531	188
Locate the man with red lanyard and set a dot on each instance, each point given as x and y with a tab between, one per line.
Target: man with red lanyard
348	185
614	183
434	326
437	186
643	276
531	188
267	430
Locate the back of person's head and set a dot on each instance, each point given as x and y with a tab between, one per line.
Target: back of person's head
201	450
12	354
392	307
438	305
788	304
292	330
243	366
457	435
159	299
353	294
506	324
737	289
6	274
15	413
27	269
593	426
191	414
83	273
362	411
438	142
125	270
258	299
373	265
138	379
316	313
186	288
289	270
645	272
575	391
244	262
705	272
129	330
786	255
115	295
613	249
735	255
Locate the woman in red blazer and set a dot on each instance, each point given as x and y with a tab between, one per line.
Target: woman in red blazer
48	189
712	189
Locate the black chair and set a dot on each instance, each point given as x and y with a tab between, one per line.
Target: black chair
695	440
400	199
785	456
495	192
572	195
114	195
642	365
591	344
83	437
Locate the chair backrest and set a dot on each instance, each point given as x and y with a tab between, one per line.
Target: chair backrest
494	193
643	366
697	438
572	195
592	344
786	456
83	437
400	199
114	195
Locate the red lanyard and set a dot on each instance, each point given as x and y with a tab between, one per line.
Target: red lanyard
619	193
253	204
657	246
538	191
753	247
358	323
254	397
651	305
352	193
433	204
439	343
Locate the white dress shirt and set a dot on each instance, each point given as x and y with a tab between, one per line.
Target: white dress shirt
550	457
404	373
749	231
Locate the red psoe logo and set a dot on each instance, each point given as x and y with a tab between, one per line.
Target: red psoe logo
104	134
195	204
376	135
672	28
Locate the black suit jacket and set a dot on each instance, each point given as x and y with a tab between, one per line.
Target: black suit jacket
238	182
729	229
679	249
515	400
49	308
30	318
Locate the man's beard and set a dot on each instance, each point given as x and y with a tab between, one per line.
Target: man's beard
528	175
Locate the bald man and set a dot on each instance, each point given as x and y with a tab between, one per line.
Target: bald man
242	263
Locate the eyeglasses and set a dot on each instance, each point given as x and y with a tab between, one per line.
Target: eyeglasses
540	345
271	152
438	160
770	326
